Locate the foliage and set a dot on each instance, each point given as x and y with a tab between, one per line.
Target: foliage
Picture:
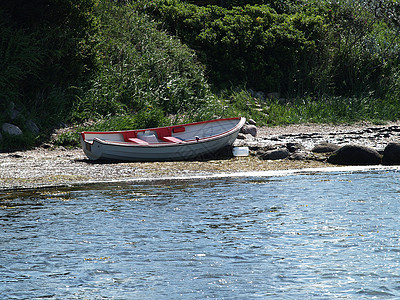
250	44
19	59
46	47
141	67
281	6
337	48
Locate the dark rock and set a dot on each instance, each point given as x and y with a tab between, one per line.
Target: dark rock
260	95
355	155
251	92
14	114
391	154
293	147
262	148
32	127
273	95
301	155
280	153
241	136
11	129
394	128
325	147
249	129
252	122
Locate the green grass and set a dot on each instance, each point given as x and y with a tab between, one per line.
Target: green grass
335	110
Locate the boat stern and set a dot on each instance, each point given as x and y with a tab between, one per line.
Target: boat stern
88	147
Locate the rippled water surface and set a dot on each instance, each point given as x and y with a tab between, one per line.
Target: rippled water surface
318	236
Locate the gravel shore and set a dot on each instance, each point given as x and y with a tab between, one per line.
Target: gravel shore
57	167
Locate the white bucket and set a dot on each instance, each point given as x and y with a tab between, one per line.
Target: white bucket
240	151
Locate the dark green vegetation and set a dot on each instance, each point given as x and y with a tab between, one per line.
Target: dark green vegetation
144	63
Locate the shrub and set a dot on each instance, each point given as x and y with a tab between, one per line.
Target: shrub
141	67
250	45
319	47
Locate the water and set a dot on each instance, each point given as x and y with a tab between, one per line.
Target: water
318	236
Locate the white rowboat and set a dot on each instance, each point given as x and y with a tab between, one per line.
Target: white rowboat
178	142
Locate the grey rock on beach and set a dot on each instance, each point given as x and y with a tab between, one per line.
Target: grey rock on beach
32	127
280	153
325	147
357	144
11	129
249	129
355	155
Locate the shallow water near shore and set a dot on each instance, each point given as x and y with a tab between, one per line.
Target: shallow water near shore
322	236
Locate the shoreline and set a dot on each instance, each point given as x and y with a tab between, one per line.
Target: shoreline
59	167
46	168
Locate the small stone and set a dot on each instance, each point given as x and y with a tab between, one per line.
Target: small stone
251	122
293	147
249	129
241	136
325	147
280	153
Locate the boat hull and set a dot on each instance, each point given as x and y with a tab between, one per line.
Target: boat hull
99	148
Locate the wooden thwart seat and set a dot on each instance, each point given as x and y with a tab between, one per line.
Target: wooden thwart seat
136	141
171	139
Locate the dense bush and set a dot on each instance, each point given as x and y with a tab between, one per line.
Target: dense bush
250	44
280	6
318	47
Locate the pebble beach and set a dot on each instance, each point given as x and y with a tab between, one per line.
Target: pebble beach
47	167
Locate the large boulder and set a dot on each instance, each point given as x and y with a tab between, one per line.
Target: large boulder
391	154
11	129
355	155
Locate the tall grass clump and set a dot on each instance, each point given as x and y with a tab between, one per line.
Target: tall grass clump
335	110
144	70
45	50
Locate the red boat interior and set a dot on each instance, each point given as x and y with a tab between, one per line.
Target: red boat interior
163	134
